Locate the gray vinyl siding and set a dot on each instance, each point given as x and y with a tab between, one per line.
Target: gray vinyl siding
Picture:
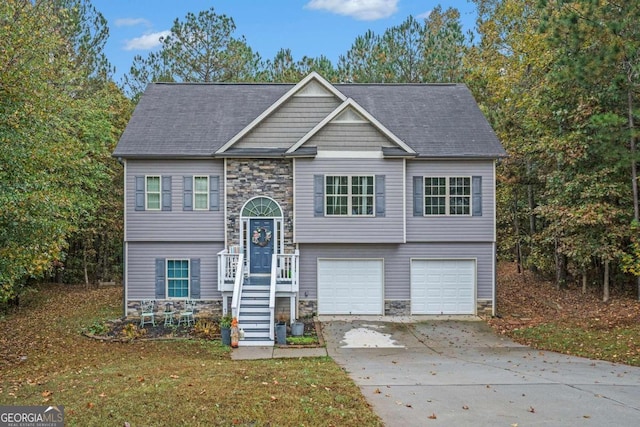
349	137
397	264
452	228
177	224
356	229
141	258
289	123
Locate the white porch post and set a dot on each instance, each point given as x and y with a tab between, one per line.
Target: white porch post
292	308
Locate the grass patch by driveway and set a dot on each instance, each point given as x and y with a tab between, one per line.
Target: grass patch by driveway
534	312
619	344
44	360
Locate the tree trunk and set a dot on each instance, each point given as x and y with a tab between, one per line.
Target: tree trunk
531	200
84	265
584	281
632	148
605	290
561	270
516	229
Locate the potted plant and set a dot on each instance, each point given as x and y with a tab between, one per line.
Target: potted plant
297	328
225	329
281	330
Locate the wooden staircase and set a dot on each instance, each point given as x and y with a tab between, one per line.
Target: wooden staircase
255	315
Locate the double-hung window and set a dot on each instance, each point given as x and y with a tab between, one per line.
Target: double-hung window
349	195
447	195
178	278
201	192
152	193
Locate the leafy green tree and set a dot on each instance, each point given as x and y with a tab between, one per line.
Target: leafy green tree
284	69
54	143
412	52
201	48
600	44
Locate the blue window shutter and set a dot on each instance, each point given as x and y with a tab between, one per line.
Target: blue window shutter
214	193
139	193
380	195
476	194
318	195
160	278
187	197
418	196
195	278
166	193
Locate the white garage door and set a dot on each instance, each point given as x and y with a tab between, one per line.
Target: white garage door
443	286
352	286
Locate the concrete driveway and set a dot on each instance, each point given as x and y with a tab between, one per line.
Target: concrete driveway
460	373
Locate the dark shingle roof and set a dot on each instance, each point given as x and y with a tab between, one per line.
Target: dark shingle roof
195	120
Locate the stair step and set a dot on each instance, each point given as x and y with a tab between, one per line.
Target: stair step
248	287
244	318
254	325
265	342
258	297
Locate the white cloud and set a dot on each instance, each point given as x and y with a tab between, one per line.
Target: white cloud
424	15
146	42
364	10
132	22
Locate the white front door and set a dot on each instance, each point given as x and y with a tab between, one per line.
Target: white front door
443	286
350	286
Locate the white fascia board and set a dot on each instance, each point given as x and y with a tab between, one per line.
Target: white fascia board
364	113
266	113
349	155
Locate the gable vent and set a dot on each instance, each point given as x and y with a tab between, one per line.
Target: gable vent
315	89
349	116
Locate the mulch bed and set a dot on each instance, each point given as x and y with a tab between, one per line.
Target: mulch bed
127	330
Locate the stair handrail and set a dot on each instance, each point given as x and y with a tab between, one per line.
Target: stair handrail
272	296
237	288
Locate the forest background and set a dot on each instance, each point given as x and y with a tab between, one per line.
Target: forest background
558	81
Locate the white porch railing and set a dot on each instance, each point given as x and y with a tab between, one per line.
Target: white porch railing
237	291
286	272
229	265
272	297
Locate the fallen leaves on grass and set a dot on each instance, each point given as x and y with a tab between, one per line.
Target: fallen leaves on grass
534	312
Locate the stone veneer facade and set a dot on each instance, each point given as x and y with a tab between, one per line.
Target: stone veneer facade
249	178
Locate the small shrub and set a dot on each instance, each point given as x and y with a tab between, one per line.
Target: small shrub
225	321
205	328
131	331
98	328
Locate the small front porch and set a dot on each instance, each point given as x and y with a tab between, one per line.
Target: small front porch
251	298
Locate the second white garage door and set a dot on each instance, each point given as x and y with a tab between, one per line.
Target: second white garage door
350	286
443	286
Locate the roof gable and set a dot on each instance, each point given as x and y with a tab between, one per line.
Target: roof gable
350	111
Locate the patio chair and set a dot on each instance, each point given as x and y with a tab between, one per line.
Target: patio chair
147	312
169	313
186	314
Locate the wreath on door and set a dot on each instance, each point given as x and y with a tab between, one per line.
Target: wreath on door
261	236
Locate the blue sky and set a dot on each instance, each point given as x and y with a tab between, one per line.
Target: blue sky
307	27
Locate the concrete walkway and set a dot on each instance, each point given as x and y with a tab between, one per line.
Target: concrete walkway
459	373
254	353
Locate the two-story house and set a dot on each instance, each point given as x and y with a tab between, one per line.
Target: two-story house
270	199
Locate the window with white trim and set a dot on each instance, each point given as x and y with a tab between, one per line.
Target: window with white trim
447	195
349	195
152	193
177	278
201	193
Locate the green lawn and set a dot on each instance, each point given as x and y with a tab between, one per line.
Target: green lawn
158	383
